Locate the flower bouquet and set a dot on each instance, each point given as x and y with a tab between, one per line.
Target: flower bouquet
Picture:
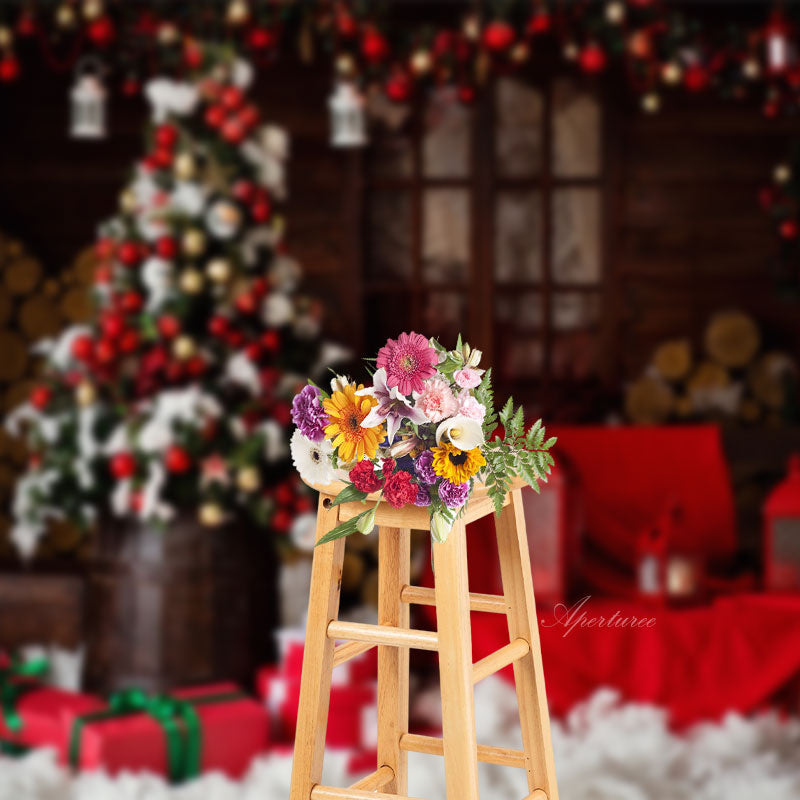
423	433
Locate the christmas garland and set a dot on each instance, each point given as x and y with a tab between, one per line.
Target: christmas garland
657	44
422	434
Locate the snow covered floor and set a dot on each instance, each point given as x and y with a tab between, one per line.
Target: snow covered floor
604	751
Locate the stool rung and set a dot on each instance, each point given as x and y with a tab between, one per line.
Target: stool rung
501	658
331	793
422	596
383	635
345	652
415	743
375	781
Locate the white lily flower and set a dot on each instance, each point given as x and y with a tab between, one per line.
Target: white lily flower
463	432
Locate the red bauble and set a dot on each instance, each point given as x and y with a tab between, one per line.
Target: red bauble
246	303
443	43
102	274
177	460
104	248
161	158
231	98
466	94
9	69
82	348
253	351
249	116
129	253
214	116
281	521
193	55
169	326
104	352
766	197
130	87
788	229
26	25
374	46
539	23
592	59
271	341
166	136
398	87
129	341
131	302
260	211
696	78
112	325
498	36
259	287
166	247
101	31
40	397
196	366
233	131
244	191
261	38
346	25
282	413
122	465
218	326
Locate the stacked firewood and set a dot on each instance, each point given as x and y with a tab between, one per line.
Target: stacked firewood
33	306
728	379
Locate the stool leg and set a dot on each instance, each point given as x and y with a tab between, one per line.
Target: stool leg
315	684
394	572
455	666
515	567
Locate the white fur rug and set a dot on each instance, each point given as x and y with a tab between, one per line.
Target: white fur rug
604	751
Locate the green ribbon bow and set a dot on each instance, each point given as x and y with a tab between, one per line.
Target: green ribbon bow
13	685
177	717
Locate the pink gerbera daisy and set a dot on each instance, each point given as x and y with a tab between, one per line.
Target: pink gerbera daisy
408	361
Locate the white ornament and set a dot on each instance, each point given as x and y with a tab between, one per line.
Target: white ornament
275	447
158	277
188	197
267	150
277	309
168	97
241	371
348	116
88	101
224	219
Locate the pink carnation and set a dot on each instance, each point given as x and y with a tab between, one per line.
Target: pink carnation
437	400
467	378
408	361
469	407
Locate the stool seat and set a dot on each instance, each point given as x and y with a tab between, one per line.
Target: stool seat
452	641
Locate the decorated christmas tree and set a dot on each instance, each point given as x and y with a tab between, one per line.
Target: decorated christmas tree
176	398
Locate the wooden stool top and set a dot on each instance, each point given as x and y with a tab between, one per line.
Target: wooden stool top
416	517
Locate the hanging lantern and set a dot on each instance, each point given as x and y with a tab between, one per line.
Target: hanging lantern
778	39
553	520
88	101
348	116
782	533
663	574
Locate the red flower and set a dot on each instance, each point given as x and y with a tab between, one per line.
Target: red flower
364	478
400	490
388	467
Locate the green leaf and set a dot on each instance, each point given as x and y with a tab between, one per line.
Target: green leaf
343	529
348	495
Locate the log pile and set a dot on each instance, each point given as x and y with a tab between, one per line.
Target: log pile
728	379
33	306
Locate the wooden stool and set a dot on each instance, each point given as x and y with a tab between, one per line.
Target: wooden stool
453	642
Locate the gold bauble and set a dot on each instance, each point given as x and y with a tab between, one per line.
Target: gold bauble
471	27
183	347
671	73
345	65
615	12
92	9
651	103
782	173
421	62
194	242
85	394
570	51
219	270
520	52
127	201
238	12
210	514
248	479
6	36
191	281
65	16
184	166
168	33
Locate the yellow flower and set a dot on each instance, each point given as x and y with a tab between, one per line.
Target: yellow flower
456	466
346	412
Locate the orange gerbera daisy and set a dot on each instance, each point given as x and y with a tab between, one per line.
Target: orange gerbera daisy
346	412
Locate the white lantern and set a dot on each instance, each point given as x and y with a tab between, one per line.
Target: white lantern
88	101
348	116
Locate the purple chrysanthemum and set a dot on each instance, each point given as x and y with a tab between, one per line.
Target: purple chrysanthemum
308	414
423	498
423	466
454	495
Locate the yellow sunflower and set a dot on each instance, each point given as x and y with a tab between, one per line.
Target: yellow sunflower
456	466
346	412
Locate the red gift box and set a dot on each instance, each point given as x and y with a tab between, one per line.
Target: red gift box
46	713
233	729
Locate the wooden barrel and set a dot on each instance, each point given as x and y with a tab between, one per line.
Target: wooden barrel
180	606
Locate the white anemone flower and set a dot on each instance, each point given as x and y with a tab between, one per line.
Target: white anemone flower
463	432
312	459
